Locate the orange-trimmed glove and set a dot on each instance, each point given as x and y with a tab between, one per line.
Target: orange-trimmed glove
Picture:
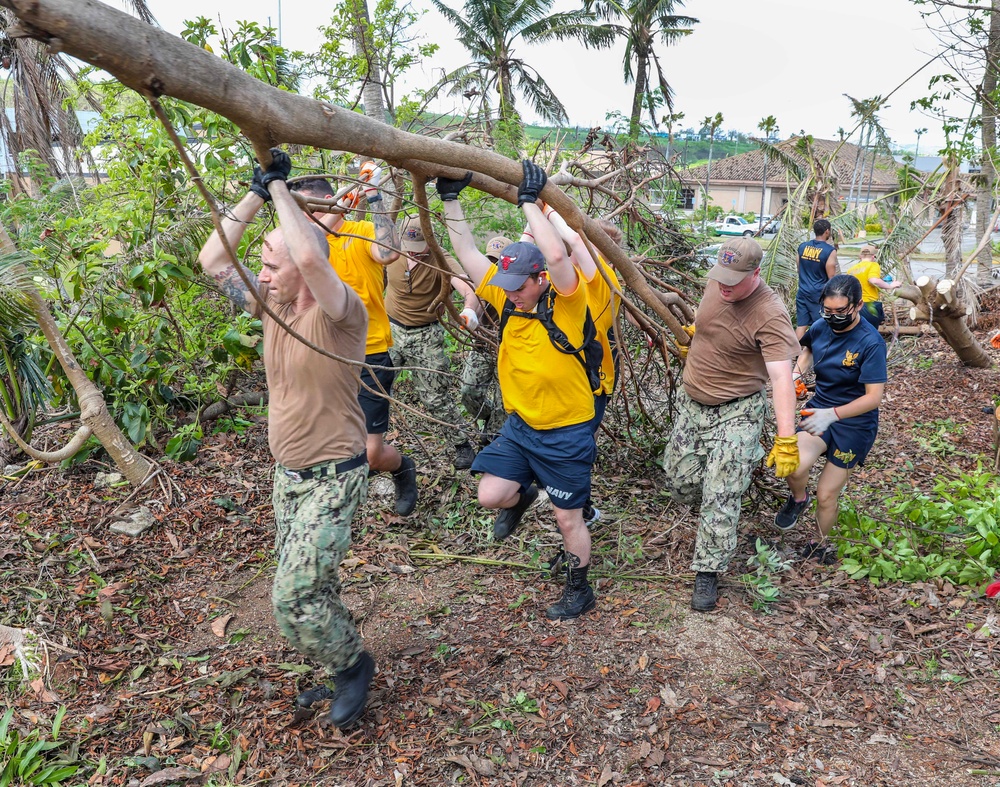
800	387
784	456
995	342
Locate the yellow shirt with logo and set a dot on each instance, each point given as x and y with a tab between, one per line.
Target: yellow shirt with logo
350	257
604	306
863	271
546	388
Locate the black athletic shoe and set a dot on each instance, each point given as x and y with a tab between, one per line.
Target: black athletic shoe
351	692
824	554
509	518
465	455
405	481
790	512
706	591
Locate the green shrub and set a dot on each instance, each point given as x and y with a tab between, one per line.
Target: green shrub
873	226
952	533
27	760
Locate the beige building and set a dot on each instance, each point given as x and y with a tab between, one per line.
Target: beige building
736	182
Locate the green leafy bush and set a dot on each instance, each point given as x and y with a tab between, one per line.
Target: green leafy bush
952	533
28	760
873	226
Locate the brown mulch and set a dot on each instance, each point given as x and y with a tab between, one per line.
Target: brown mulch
167	658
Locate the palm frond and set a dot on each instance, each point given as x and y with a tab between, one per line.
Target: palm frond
790	163
17	279
780	266
540	96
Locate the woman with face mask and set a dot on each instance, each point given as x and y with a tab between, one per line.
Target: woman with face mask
840	421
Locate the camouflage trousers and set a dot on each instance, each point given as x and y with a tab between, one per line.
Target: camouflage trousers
709	461
478	375
424	347
313	522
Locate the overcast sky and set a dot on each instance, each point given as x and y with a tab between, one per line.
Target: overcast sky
793	59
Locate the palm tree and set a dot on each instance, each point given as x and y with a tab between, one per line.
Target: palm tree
642	23
712	124
769	126
489	29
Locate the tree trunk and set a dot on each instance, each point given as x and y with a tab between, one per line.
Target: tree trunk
987	176
372	90
93	409
936	302
635	118
156	63
951	227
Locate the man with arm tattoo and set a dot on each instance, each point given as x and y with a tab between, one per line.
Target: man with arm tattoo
315	427
359	252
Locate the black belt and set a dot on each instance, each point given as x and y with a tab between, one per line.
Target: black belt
412	327
731	401
328	470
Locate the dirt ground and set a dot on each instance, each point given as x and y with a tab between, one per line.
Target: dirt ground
165	653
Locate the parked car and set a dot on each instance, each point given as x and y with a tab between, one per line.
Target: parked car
737	225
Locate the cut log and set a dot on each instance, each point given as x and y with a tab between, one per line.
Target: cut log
946	290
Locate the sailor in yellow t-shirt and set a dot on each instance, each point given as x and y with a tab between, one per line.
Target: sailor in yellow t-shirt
869	273
547	437
604	300
359	252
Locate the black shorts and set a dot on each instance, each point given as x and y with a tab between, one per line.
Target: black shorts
376	408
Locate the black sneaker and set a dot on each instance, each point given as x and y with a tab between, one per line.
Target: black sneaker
351	691
465	455
825	554
706	591
405	480
509	518
790	512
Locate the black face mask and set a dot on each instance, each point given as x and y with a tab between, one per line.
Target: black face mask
838	321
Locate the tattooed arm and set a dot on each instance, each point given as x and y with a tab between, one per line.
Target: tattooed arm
215	260
386	239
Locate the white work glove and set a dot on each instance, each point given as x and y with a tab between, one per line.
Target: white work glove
469	319
371	174
818	421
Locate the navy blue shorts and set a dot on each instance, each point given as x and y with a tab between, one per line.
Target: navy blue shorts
873	312
375	407
806	309
560	459
600	407
847	444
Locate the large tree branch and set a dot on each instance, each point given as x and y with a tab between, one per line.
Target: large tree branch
156	63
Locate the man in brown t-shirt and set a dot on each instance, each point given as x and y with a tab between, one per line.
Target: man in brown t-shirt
743	338
316	429
413	302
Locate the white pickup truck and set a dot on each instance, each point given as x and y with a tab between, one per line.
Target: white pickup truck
737	225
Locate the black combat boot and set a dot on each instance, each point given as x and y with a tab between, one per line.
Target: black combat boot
706	591
351	691
405	480
465	455
311	696
577	597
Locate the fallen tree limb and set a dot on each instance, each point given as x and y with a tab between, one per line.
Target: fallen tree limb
156	63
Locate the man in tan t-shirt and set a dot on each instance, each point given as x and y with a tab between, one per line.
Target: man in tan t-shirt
316	428
413	302
743	338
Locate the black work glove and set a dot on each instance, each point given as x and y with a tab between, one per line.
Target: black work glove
279	169
257	187
533	182
449	189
